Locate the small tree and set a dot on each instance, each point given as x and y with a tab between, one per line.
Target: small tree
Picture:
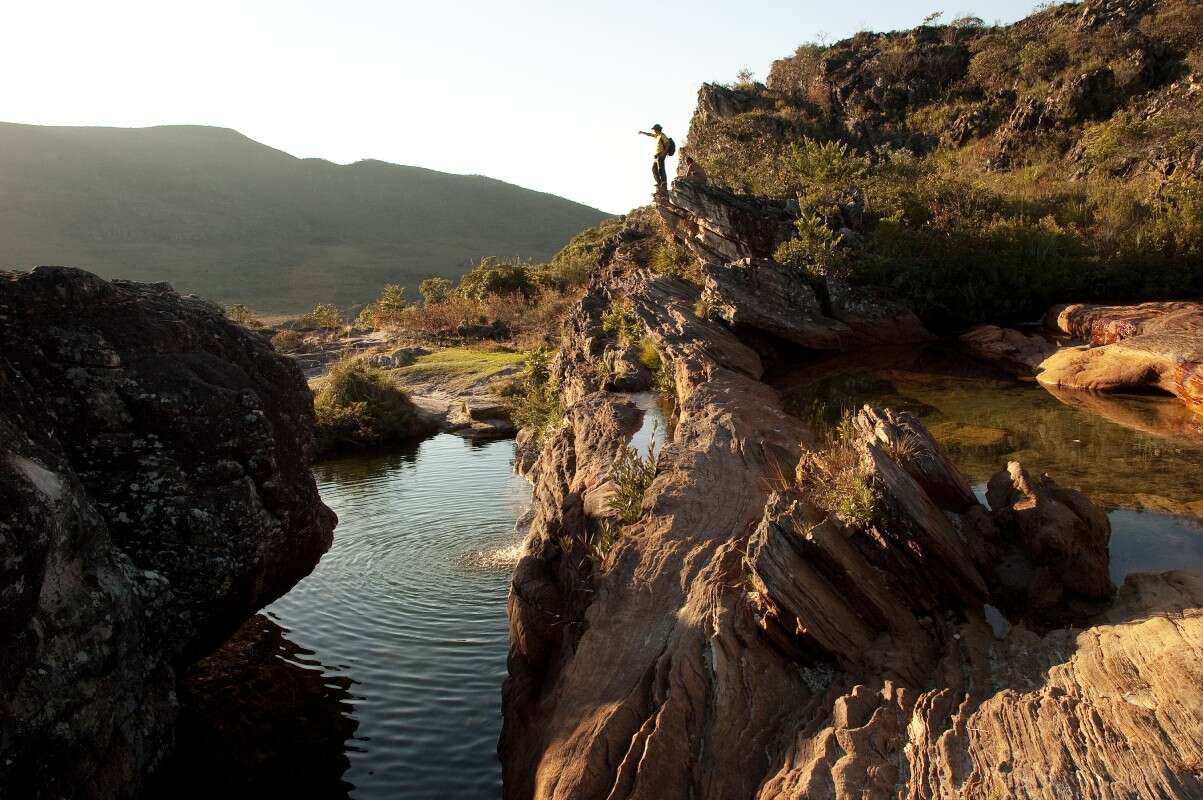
745	79
243	315
435	290
496	276
933	18
390	304
324	315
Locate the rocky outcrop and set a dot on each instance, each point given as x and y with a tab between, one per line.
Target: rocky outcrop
155	493
1141	347
1013	349
734	237
762	294
738	641
721	226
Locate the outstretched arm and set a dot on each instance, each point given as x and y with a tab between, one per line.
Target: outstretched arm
646	133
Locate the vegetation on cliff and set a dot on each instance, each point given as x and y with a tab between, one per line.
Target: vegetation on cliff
983	172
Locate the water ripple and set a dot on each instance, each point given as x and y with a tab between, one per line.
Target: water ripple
410	604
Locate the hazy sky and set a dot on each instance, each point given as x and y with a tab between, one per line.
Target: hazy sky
543	93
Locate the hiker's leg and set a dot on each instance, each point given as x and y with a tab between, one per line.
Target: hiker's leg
662	178
656	171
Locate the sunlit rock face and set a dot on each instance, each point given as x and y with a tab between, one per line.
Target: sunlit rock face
155	493
1137	347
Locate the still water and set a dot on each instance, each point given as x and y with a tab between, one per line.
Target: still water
1140	457
409	605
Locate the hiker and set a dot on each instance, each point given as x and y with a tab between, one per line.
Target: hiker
692	171
664	147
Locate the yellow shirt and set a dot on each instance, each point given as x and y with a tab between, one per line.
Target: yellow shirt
661	144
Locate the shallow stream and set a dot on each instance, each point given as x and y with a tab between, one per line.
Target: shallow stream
385	665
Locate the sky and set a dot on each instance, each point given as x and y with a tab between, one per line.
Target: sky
548	94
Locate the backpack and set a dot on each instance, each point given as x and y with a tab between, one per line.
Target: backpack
670	148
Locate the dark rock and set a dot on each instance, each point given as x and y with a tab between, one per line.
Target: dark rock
401	357
762	294
1091	95
872	317
495	331
718	225
1011	348
155	476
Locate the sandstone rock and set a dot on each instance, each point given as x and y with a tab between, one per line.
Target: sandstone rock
1011	348
476	419
1151	345
720	226
845	662
762	294
1101	325
401	357
154	471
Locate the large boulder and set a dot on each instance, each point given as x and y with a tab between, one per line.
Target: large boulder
154	468
1141	347
762	294
1013	349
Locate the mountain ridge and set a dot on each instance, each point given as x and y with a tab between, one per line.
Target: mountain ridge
213	211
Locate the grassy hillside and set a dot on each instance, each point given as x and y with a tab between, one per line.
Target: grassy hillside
984	172
216	213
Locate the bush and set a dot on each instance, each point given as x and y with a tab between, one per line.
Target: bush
288	342
815	251
243	315
324	315
435	290
620	320
495	276
360	406
632	475
534	400
671	258
836	478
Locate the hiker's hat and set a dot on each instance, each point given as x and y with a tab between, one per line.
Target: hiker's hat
656	127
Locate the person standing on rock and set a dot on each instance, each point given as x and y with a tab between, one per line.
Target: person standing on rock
664	147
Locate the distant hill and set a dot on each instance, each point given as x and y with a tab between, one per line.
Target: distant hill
218	214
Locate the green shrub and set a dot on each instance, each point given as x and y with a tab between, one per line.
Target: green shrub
620	320
671	258
662	380
243	315
358	405
632	475
435	290
288	342
496	276
534	398
815	250
324	315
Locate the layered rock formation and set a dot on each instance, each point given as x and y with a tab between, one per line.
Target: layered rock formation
734	237
1140	347
154	493
739	641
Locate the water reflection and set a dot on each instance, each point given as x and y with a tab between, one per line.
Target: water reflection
260	718
407	615
1140	456
985	418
